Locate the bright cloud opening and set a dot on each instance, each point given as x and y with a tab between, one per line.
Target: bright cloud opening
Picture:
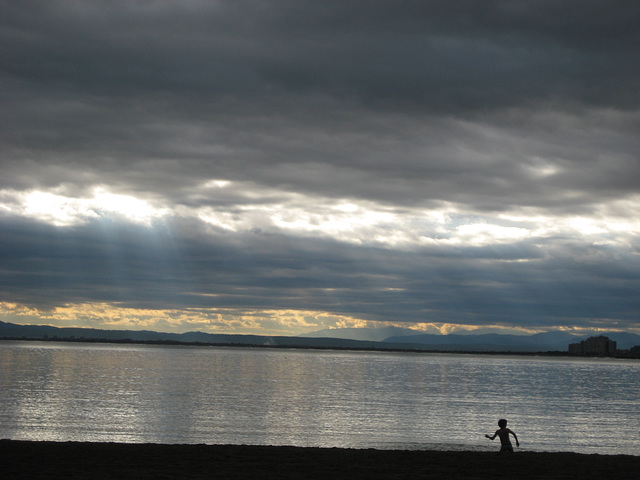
248	207
219	320
63	210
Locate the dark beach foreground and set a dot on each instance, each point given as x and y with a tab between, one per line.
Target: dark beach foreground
50	460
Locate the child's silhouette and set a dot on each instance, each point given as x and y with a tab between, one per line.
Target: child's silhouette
503	432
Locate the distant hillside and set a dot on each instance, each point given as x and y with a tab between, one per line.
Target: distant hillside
552	341
540	342
471	341
39	332
365	334
403	339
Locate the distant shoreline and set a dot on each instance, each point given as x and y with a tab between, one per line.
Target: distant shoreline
282	347
552	353
101	461
547	344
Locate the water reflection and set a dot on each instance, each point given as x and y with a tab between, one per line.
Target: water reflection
314	398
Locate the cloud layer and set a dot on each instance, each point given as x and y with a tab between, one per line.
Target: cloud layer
280	167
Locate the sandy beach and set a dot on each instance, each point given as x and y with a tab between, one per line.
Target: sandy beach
50	460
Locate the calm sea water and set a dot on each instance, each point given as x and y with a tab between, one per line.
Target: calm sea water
132	393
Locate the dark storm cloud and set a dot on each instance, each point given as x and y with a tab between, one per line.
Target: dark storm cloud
442	54
270	84
134	268
520	108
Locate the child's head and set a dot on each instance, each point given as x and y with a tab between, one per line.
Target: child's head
502	423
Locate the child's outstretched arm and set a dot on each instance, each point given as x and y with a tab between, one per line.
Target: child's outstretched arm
490	437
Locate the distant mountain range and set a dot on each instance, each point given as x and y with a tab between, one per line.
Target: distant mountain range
391	338
364	334
494	342
39	332
549	341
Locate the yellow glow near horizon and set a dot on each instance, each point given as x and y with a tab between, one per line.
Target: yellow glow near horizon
227	321
218	320
234	321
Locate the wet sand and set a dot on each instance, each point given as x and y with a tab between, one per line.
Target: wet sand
50	460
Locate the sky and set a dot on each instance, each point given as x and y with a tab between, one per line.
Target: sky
281	167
